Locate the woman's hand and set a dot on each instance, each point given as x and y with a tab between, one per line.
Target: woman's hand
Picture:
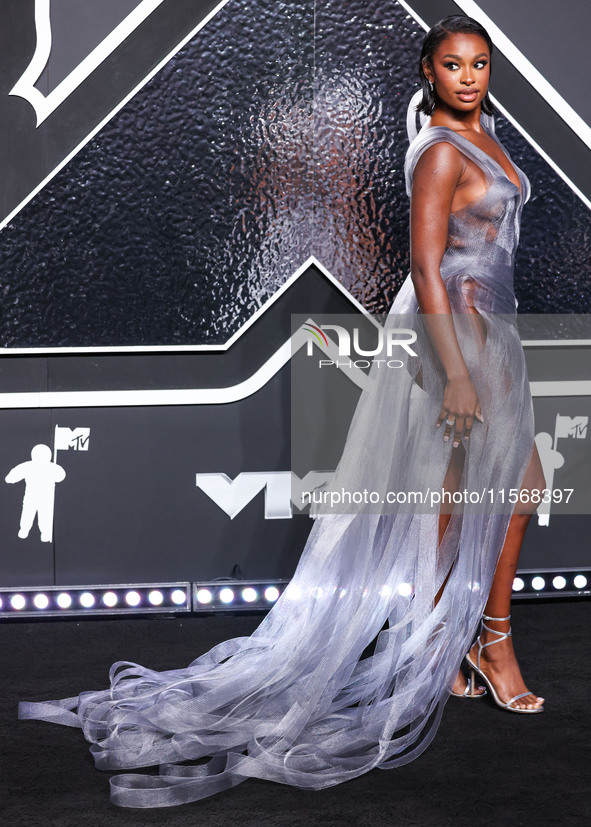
459	408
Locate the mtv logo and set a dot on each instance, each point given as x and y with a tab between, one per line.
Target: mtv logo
571	426
76	438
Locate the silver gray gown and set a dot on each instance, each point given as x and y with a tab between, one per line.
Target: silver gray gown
351	668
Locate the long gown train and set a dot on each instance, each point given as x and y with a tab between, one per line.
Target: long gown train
306	700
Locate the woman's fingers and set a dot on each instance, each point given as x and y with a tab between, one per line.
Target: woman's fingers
459	429
460	423
441	418
449	426
468	427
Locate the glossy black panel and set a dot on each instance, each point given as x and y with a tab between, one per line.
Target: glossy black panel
277	133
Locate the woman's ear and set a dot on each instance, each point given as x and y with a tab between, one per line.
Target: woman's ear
428	71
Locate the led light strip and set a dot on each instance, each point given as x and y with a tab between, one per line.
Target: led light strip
137	598
236	595
231	595
552	583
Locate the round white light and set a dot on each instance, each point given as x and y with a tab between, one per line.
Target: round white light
41	601
385	591
110	599
204	596
86	600
249	595
132	599
518	584
64	601
580	581
18	602
155	598
559	582
226	595
0	602
293	592
178	597
271	594
405	590
538	583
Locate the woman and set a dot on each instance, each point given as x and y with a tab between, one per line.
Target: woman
352	667
450	177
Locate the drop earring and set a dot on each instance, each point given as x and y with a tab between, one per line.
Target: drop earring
430	82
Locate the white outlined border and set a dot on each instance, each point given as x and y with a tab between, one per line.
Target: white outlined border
581	129
134	398
244	389
44	105
537	81
111	114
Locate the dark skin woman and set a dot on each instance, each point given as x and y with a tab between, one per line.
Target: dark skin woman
446	181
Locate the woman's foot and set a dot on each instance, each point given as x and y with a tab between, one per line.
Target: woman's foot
500	666
460	684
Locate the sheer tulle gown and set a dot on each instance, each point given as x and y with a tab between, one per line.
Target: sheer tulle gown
351	668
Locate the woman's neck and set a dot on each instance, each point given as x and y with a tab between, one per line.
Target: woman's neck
458	121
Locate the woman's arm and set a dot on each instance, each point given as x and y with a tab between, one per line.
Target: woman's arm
436	177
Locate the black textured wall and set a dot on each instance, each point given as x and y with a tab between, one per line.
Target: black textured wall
276	133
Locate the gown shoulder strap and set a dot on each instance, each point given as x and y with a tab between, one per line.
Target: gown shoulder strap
428	136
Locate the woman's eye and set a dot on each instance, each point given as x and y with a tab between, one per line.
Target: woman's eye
480	64
451	65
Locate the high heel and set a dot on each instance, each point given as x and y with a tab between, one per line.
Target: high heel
476	670
470	689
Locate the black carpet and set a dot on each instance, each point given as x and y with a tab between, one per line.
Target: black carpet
485	766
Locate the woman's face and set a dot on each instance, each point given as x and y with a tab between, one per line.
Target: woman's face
460	71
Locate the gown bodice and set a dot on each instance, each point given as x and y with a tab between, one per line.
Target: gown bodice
483	235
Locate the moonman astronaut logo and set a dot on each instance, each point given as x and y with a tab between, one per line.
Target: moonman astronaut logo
41	474
565	427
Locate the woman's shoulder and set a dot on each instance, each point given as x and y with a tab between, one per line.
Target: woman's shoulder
438	148
440	140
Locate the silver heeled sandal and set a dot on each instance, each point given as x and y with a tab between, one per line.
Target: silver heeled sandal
475	667
470	689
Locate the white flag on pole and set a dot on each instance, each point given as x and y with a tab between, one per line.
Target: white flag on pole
78	439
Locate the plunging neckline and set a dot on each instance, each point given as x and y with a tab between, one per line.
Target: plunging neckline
489	157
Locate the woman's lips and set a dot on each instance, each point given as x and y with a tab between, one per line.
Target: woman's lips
467	96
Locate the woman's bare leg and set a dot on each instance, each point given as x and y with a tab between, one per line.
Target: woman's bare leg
498	662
